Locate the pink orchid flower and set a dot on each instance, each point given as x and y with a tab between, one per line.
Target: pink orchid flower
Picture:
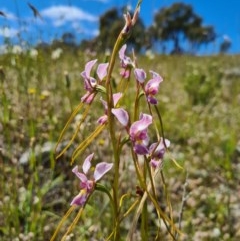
138	130
138	134
157	151
87	185
125	60
90	82
152	86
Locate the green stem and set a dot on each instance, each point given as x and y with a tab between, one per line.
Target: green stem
118	45
144	223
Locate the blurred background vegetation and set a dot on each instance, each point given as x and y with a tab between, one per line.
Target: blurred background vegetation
199	101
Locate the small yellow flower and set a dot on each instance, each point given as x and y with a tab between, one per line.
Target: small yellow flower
31	91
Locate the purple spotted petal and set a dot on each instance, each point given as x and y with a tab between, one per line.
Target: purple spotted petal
152	100
101	169
87	163
102	70
80	199
140	75
102	120
140	149
121	115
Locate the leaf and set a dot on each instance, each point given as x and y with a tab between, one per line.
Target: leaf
83	145
78	108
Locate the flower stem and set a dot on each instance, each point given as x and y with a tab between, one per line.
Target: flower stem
118	45
122	37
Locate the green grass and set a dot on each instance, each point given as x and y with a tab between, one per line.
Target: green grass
199	102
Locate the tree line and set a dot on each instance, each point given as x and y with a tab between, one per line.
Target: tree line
175	24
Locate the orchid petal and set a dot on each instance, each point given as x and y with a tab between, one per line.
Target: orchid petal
102	70
141	125
140	149
122	52
88	98
102	120
88	67
83	74
101	169
80	199
104	104
155	75
152	100
80	175
125	73
152	86
158	149
87	163
140	75
121	115
155	163
116	98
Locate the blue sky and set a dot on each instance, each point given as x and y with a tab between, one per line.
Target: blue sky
81	17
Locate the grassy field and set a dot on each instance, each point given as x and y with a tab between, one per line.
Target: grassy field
199	102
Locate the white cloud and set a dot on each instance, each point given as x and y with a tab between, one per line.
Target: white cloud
62	14
8	32
93	32
8	14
